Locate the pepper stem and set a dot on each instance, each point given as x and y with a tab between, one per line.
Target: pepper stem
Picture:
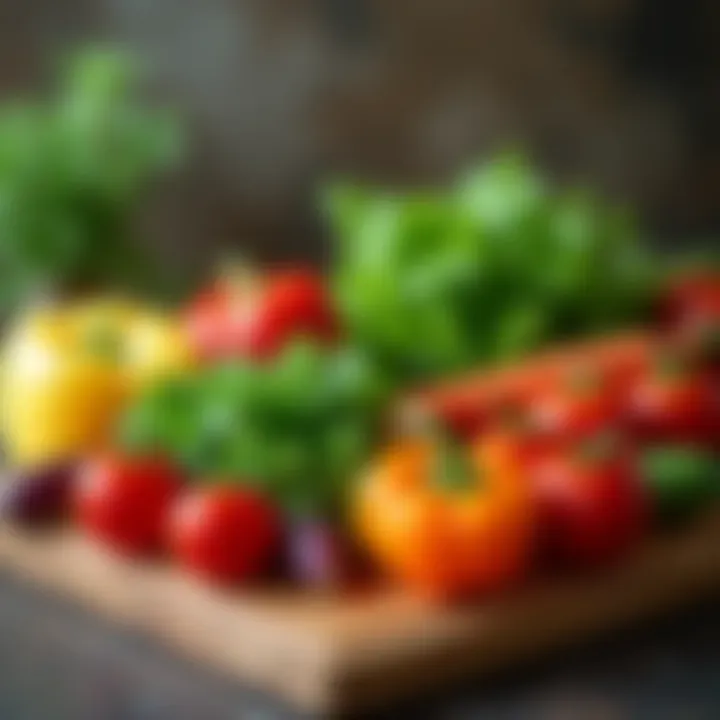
452	468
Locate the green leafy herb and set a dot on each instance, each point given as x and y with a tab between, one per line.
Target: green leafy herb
73	171
483	272
681	479
298	426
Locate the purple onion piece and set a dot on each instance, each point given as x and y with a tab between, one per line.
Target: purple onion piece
319	555
36	496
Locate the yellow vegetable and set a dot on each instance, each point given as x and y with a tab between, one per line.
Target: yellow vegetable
68	371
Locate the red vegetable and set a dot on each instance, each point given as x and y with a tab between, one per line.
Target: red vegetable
591	505
467	405
123	502
583	404
677	403
224	534
690	298
691	313
248	316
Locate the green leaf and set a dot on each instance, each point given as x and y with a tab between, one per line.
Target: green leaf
73	173
431	283
298	426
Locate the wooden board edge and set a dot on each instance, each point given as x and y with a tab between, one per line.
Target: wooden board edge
240	640
374	652
665	575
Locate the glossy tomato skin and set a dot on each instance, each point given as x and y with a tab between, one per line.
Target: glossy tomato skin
223	535
123	502
581	405
258	319
590	511
690	298
518	442
682	407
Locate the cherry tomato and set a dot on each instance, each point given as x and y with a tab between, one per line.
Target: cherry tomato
255	317
690	298
464	420
585	403
690	312
224	534
510	432
123	501
591	507
674	402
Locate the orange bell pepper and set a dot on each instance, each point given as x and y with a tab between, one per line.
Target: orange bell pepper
449	522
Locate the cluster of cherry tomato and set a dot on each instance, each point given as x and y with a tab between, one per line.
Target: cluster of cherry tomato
555	464
584	435
141	506
223	532
581	438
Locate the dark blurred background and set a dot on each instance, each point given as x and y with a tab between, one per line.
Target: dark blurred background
623	93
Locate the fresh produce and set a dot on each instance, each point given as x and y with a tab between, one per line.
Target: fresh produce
299	425
675	401
517	439
470	404
319	554
691	298
690	312
38	496
591	504
447	521
244	315
583	404
73	172
124	501
486	272
68	370
681	479
223	533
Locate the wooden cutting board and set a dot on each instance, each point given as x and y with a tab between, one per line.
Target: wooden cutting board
331	655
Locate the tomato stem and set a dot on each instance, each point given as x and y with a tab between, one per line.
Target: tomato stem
598	448
585	380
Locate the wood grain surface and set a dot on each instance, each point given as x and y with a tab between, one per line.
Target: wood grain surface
334	654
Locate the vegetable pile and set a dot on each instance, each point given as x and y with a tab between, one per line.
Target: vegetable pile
253	429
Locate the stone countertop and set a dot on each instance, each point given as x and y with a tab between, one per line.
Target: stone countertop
59	663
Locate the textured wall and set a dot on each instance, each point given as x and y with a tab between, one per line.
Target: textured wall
622	92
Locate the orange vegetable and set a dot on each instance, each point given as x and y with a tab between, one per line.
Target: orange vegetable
449	522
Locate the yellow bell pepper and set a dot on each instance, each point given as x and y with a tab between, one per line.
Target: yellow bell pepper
68	371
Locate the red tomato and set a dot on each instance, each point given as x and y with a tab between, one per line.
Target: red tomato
224	534
690	297
123	501
256	317
519	445
699	340
673	403
691	313
590	509
582	405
